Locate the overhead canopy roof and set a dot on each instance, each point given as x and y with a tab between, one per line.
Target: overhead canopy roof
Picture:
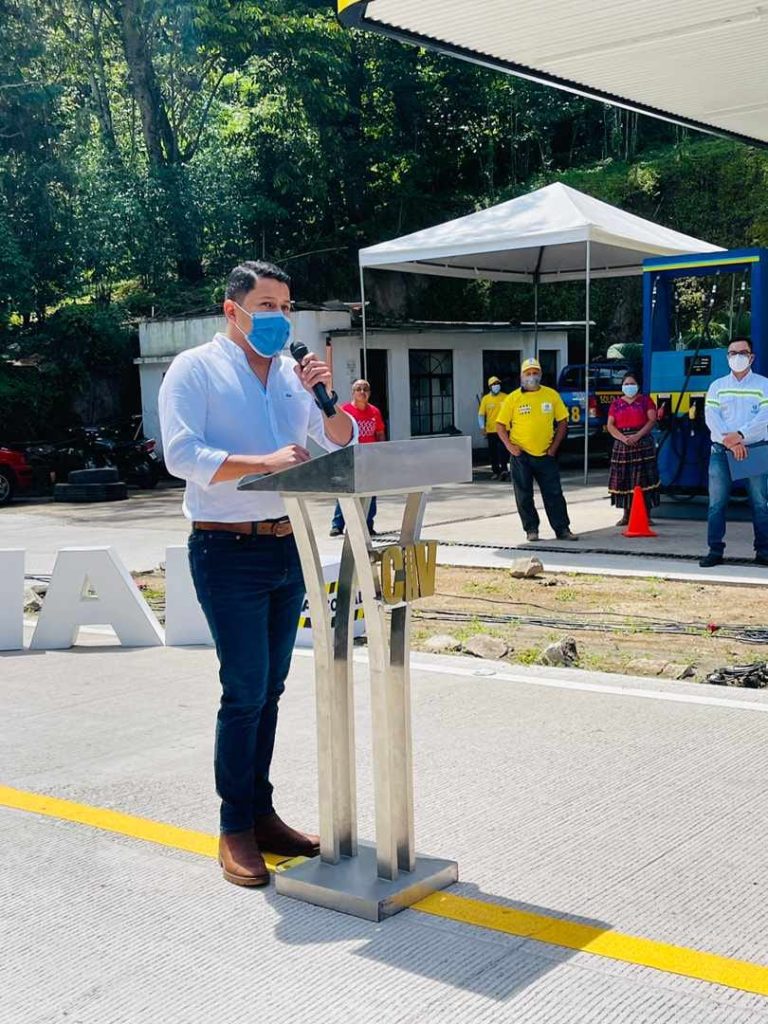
543	232
698	62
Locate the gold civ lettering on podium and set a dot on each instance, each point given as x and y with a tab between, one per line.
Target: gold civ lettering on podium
357	877
408	571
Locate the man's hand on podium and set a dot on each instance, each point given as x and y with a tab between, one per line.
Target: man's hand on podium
236	466
284	458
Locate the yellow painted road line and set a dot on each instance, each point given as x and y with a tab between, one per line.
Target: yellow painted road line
691	963
661	956
122	824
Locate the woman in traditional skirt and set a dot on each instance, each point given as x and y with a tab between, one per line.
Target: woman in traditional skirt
633	461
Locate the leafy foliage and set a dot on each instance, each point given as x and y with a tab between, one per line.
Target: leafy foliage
147	145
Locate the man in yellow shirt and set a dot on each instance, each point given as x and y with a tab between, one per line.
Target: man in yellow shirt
532	423
490	404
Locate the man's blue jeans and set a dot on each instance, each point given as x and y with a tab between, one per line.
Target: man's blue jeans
719	495
251	590
338	519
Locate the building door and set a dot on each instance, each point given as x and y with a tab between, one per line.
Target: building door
504	365
548	360
378	378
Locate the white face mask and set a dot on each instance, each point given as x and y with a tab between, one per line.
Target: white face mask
739	362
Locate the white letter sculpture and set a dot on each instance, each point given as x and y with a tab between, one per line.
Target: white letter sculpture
11	599
118	603
185	623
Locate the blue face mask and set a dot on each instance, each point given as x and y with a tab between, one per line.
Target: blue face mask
630	390
269	332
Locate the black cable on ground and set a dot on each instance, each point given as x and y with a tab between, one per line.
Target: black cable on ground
742	634
752	677
626	620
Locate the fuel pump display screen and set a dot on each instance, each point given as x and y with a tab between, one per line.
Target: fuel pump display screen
698	366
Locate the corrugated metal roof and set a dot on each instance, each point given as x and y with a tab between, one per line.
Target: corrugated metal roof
699	62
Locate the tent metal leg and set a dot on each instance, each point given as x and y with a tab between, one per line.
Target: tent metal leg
364	367
586	364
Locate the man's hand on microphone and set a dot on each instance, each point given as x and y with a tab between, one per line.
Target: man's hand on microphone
311	371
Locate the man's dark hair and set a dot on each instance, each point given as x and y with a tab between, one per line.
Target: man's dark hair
245	275
742	337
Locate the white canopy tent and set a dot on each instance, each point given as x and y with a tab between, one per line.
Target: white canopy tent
553	234
700	63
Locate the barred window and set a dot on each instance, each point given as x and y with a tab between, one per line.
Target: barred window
431	391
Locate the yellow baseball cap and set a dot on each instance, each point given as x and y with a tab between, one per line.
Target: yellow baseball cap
493	380
530	364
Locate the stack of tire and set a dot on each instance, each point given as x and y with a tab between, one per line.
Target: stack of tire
91	485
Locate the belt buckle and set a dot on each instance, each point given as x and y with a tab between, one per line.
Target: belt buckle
282	528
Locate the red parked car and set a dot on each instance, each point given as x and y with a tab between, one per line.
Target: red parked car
15	474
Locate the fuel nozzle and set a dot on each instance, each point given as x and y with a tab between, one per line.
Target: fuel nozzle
696	411
663	410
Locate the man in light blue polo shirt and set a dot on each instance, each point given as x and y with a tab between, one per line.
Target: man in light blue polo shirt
736	412
234	406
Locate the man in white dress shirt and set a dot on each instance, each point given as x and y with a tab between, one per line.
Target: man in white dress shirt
234	406
736	412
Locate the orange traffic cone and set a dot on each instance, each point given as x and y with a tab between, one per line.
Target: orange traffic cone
638	517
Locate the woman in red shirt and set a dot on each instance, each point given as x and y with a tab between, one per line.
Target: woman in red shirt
631	419
370	428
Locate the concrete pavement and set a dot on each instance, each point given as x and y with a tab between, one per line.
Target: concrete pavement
621	807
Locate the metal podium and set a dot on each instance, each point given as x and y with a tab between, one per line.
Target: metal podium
350	876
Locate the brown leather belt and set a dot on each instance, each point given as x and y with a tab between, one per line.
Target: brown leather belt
264	528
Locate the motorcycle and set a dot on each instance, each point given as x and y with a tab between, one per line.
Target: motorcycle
136	459
52	462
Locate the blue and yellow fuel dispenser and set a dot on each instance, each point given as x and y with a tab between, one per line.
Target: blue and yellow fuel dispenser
678	372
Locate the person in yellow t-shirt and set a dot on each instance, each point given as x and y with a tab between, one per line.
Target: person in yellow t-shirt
490	404
532	423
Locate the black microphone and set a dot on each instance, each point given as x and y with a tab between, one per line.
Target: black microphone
324	401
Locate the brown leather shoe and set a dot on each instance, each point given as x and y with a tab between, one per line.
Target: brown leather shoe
274	835
240	859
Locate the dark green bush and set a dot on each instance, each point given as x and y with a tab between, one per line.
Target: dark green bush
84	364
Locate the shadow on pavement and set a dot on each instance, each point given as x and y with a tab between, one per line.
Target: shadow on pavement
479	960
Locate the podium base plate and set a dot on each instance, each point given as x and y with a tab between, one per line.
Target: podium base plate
353	887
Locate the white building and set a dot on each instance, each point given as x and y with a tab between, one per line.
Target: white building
425	377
